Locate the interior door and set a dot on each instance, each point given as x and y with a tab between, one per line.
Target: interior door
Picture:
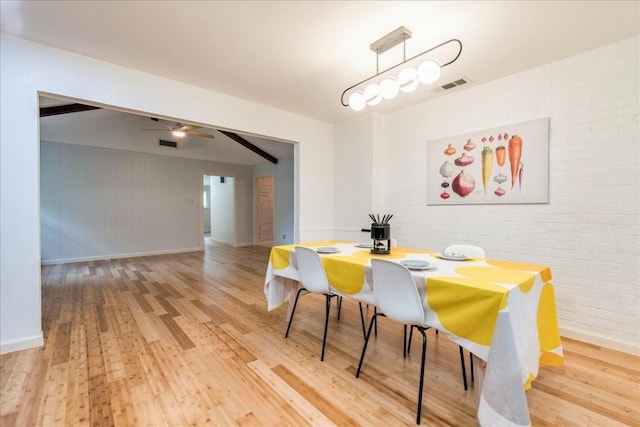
264	206
206	201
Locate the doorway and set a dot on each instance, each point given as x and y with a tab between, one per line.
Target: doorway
206	206
264	210
220	211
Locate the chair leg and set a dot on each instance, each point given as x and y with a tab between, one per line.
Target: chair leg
464	369
471	364
295	303
404	340
326	325
422	362
364	328
410	337
366	341
339	304
375	324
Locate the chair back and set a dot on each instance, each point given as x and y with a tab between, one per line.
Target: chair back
395	292
468	250
312	273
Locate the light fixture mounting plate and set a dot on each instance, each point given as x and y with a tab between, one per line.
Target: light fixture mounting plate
392	39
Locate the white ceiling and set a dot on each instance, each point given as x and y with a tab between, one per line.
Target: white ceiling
126	131
299	56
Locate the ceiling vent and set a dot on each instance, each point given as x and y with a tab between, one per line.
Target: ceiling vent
454	83
165	143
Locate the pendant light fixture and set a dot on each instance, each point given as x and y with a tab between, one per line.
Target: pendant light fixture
387	84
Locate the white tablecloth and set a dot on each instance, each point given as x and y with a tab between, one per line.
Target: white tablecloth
502	311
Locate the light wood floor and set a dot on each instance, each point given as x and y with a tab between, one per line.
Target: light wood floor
186	339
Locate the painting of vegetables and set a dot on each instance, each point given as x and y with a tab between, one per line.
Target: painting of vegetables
501	154
515	154
487	165
452	170
464	160
463	184
520	175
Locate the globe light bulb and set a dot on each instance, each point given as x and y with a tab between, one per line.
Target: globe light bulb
357	101
408	79
389	88
372	94
429	71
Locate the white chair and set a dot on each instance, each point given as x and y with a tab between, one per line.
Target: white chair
365	296
473	252
396	295
313	278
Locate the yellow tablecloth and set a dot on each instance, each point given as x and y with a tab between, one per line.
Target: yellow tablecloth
502	311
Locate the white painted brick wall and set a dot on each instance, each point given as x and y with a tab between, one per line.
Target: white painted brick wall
589	231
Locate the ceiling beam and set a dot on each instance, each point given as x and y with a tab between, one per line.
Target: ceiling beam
64	109
76	108
240	140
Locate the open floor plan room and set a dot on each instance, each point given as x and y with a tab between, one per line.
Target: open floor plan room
186	339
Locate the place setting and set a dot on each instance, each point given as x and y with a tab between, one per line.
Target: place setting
453	256
327	250
417	264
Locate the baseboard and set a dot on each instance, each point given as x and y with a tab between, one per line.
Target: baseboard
238	245
222	242
22	344
601	340
118	256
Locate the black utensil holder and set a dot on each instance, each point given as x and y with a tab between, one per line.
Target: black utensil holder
381	236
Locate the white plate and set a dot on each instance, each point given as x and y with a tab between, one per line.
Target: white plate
364	245
416	264
453	256
327	250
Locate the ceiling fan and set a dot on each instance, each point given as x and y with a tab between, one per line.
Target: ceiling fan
180	131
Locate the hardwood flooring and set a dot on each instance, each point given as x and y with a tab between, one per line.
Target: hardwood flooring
186	340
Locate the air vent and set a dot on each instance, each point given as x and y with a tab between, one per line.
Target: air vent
454	83
168	143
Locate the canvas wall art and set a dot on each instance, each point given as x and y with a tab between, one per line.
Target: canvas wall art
506	164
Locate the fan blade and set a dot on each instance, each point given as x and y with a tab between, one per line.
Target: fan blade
200	134
188	128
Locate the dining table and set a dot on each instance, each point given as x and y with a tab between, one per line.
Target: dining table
502	311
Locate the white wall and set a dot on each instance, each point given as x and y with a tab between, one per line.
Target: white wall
283	173
97	203
223	228
355	176
589	231
29	69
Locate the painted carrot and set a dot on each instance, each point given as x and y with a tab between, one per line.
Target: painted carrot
501	154
515	154
487	164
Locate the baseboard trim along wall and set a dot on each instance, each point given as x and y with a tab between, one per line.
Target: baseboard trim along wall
600	340
222	242
22	344
117	256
